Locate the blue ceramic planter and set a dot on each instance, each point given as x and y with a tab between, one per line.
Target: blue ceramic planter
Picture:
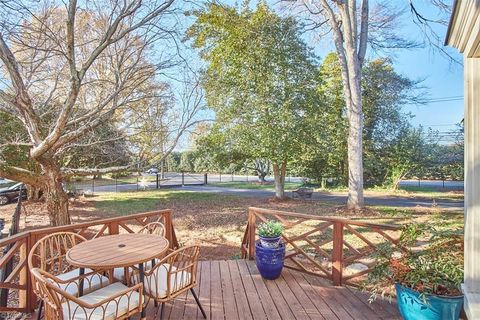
412	307
269	260
270	242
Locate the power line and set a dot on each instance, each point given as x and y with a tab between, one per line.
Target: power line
441	98
440	125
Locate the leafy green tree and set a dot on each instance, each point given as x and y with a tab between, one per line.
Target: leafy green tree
215	153
384	92
405	155
260	81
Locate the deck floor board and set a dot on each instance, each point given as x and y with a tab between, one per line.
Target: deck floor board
234	289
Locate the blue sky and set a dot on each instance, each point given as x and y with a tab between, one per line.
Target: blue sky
441	78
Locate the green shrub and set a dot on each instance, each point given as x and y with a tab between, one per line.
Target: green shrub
120	174
435	268
270	229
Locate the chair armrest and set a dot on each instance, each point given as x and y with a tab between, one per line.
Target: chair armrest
162	261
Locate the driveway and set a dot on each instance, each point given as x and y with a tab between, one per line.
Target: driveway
339	197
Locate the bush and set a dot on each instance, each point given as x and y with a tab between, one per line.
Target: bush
270	229
436	268
120	174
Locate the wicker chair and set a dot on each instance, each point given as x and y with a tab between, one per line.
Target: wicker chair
113	301
172	276
48	255
156	228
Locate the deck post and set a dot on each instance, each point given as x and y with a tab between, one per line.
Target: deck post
168	228
23	295
337	254
251	233
113	228
32	297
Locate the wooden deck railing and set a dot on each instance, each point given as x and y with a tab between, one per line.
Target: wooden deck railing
327	247
18	246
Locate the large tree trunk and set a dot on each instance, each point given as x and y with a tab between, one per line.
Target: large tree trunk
56	198
351	46
355	144
279	172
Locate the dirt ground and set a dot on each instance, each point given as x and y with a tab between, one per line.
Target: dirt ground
217	224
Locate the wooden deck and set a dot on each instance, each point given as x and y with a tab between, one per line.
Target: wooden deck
235	290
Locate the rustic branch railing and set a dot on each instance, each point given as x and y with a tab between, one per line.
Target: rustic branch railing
19	278
331	248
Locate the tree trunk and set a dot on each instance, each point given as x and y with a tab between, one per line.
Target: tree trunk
279	172
355	145
33	193
261	176
56	199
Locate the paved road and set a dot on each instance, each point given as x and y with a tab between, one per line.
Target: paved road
174	180
339	197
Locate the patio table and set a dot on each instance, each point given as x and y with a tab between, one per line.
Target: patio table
116	251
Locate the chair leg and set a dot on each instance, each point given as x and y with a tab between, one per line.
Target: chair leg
161	310
40	307
198	302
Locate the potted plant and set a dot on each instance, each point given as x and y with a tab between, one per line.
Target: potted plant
270	250
426	277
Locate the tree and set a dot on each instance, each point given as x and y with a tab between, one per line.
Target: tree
349	27
67	71
260	81
354	27
406	154
384	92
157	124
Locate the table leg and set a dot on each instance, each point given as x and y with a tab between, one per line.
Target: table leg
111	279
142	279
80	283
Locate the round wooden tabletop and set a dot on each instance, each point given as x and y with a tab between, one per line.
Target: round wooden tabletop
121	250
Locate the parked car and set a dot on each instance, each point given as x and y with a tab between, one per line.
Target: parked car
4	181
12	193
152	170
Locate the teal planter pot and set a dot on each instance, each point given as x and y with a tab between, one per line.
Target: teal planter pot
412	307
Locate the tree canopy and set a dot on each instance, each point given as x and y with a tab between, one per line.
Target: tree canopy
260	80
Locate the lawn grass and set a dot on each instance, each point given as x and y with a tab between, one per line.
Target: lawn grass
254	185
126	203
